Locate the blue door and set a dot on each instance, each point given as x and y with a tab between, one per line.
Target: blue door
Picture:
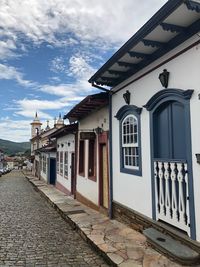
170	160
169	132
52	174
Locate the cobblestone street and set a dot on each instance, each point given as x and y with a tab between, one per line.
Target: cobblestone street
32	233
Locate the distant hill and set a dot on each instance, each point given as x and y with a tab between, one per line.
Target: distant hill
10	147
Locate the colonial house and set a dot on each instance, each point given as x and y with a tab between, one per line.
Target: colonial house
154	82
42	149
10	161
47	162
92	180
65	139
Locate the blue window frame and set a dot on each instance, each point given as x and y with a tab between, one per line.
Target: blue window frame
130	139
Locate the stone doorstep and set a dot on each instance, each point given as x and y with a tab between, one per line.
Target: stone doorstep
171	247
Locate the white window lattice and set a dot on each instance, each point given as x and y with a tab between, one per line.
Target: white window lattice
61	163
130	147
66	164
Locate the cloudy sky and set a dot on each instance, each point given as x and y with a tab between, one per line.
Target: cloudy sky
50	48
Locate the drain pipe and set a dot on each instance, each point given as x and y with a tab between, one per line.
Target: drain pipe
110	149
111	159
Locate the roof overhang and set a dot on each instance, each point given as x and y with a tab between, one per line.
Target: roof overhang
173	24
88	105
67	129
46	149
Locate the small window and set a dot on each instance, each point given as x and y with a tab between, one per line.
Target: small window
61	163
57	162
91	159
66	164
130	149
81	157
44	164
130	139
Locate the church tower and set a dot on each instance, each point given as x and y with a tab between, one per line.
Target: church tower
59	123
35	126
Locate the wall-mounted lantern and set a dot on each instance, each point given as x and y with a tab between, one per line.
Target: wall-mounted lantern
198	158
98	130
164	78
127	97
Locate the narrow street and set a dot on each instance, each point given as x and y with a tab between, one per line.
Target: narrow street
32	233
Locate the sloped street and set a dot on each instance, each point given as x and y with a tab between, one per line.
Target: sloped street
32	233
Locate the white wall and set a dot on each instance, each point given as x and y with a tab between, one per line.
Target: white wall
135	191
66	181
85	186
44	175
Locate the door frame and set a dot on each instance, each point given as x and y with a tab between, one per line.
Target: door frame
52	160
183	97
102	140
73	168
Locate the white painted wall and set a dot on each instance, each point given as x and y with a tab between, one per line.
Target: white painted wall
135	191
70	138
44	175
85	186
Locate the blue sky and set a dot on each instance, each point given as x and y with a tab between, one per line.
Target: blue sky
50	48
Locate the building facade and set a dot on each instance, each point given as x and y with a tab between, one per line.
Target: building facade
92	175
154	80
66	158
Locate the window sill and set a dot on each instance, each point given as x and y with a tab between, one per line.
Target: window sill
82	174
92	178
131	171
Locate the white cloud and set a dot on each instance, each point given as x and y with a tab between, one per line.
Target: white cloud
103	23
36	104
16	130
57	65
11	73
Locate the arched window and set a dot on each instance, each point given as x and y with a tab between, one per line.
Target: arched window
130	142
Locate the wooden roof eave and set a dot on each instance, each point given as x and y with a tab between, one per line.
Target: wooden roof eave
182	34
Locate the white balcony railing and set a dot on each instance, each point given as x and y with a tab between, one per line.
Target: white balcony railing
172	194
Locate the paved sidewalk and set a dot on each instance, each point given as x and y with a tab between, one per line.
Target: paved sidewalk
119	244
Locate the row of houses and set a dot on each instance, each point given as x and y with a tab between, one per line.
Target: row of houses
133	150
10	163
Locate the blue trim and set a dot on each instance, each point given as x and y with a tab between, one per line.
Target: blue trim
127	64
115	72
191	5
183	97
173	93
150	25
138	55
121	115
111	159
127	109
190	171
172	28
152	43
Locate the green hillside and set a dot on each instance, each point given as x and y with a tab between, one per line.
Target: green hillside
10	147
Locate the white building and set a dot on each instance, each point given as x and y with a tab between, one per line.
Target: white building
66	158
92	179
42	149
156	132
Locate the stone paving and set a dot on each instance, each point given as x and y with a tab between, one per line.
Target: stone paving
123	246
32	232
